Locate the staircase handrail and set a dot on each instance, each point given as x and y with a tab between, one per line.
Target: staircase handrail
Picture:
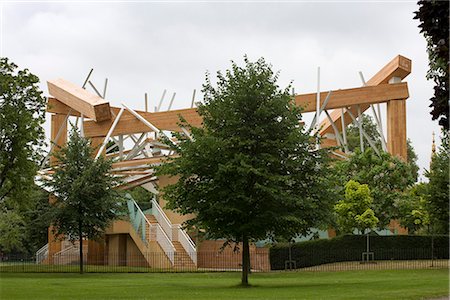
161	237
164	241
187	243
42	254
162	219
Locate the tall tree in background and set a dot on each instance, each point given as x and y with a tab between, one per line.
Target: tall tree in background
438	188
251	171
85	200
22	112
434	24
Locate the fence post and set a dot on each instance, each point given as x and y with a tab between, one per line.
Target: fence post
432	250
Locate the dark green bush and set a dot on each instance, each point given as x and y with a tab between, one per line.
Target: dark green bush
351	247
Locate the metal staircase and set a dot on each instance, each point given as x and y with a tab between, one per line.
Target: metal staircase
171	238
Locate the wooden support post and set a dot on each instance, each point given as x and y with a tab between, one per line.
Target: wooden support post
396	128
58	124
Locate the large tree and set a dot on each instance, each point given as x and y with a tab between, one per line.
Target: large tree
434	24
22	113
438	188
251	171
85	202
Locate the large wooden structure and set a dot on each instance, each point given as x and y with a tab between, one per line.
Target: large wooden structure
139	130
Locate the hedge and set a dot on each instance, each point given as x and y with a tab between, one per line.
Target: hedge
351	247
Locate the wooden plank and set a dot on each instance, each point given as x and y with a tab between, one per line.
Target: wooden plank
396	129
348	97
168	120
139	162
128	123
82	101
400	67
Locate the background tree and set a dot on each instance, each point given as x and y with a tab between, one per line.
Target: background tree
438	188
369	127
22	112
434	24
251	171
387	177
353	211
413	209
85	200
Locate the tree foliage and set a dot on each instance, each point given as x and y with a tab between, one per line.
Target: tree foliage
22	113
354	212
434	24
438	188
370	128
251	171
85	200
413	209
387	177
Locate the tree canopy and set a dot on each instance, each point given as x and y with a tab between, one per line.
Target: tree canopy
386	176
434	24
438	188
353	211
251	171
22	113
85	202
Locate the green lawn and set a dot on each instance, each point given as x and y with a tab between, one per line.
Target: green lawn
381	284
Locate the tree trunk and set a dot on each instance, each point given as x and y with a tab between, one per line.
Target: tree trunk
245	260
80	234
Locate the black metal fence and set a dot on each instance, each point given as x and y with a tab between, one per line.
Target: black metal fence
319	260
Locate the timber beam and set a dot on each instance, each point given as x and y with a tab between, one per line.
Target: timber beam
168	120
399	67
82	101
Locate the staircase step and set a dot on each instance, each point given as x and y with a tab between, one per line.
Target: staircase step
151	219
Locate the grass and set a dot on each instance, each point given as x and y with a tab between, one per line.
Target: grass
377	284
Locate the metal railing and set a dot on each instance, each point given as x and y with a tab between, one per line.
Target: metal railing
174	231
156	233
163	240
162	219
70	255
187	243
228	260
42	254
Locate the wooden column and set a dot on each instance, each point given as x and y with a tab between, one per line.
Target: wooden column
58	125
396	128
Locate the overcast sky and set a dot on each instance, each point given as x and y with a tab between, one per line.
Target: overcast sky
151	46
